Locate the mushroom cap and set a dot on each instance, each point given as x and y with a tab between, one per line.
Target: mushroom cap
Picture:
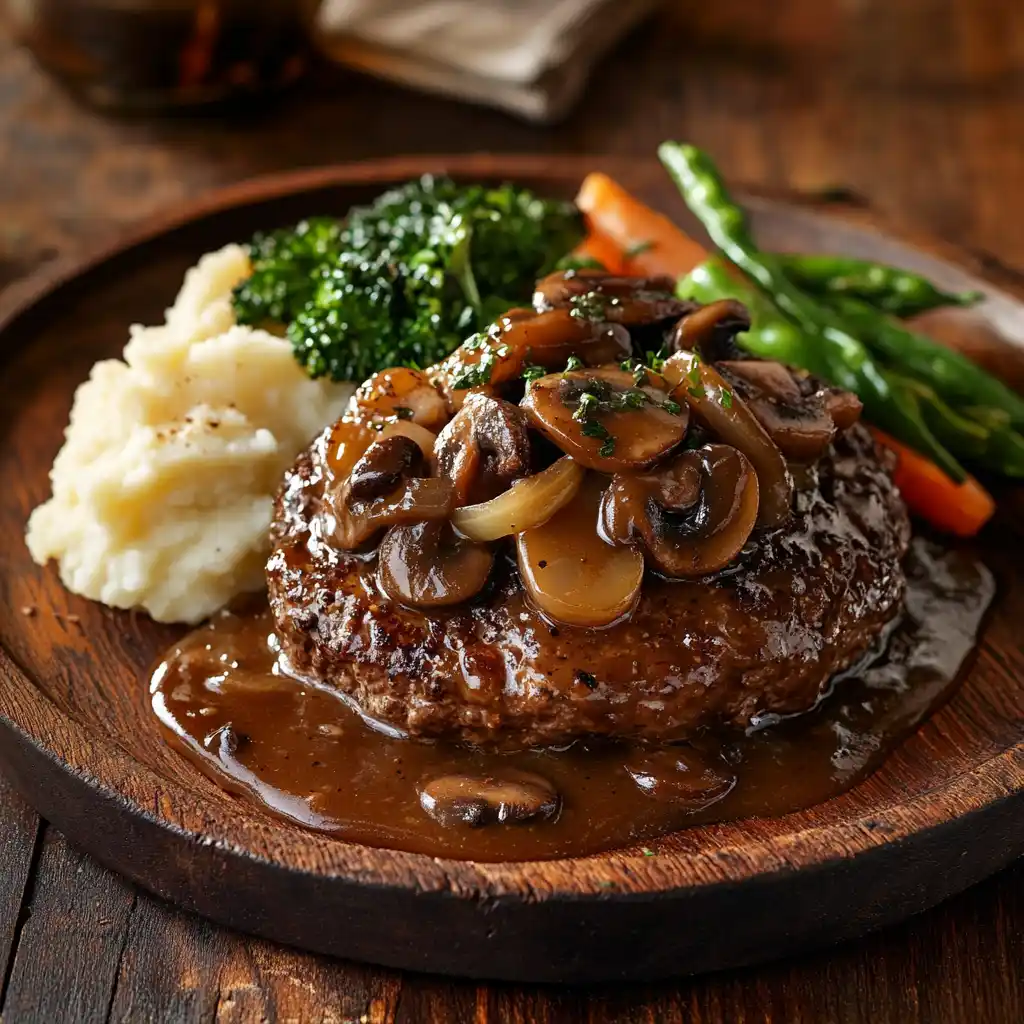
692	515
512	798
727	416
427	565
383	489
711	330
628	426
483	448
801	416
548	339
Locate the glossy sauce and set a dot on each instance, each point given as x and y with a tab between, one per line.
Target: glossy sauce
304	753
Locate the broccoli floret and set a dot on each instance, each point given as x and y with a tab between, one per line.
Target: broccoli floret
286	269
404	280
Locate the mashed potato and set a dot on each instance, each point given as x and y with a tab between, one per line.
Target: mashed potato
163	490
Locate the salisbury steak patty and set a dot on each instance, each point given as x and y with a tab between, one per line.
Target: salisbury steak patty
800	604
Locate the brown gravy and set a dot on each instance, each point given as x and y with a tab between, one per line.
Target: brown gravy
305	754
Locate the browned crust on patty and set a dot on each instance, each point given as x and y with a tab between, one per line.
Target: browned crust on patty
764	636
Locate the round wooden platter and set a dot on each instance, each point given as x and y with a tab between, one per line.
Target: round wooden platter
78	739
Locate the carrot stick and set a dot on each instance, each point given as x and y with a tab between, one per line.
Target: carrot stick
650	242
962	509
598	247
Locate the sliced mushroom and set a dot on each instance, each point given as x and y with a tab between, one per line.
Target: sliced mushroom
427	565
483	448
843	406
570	573
604	419
383	489
727	416
711	330
499	356
512	798
402	393
795	409
561	286
526	504
383	466
633	301
692	516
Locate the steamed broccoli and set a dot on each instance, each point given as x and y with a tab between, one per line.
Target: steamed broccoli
407	278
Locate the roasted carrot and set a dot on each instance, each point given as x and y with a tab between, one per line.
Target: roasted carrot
649	242
598	247
962	509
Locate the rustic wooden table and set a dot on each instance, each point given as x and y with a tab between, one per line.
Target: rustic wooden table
913	108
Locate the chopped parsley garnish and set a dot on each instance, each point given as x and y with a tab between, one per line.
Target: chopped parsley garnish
573	363
631	398
475	375
693	374
697	392
655	361
672	407
534	372
726	398
403	412
574	262
647	851
594	428
589	306
587	407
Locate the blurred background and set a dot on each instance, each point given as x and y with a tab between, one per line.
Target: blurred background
111	110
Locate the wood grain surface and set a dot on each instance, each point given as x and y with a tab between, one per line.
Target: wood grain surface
912	108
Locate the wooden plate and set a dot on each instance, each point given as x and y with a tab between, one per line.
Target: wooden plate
78	740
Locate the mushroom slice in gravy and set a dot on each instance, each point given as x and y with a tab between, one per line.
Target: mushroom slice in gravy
427	565
607	419
570	573
800	418
483	448
693	515
727	416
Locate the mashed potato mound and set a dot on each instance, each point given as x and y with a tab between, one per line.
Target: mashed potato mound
162	493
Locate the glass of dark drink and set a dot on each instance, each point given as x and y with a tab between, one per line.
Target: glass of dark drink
149	55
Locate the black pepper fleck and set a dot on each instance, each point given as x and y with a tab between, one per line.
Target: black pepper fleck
588	679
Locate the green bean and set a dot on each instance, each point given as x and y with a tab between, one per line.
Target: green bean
771	335
898	292
846	361
952	375
965	437
1005	450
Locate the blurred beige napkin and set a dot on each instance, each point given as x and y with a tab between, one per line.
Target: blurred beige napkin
530	57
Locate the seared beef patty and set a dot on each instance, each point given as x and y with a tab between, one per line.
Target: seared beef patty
765	635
